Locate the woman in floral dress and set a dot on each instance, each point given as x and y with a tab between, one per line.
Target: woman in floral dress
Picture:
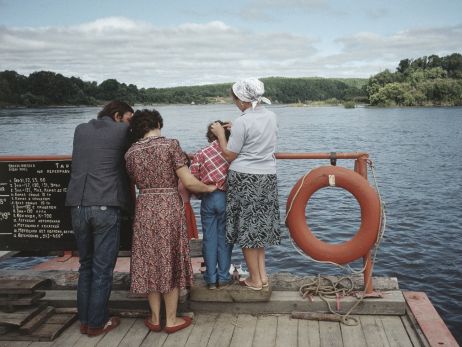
160	263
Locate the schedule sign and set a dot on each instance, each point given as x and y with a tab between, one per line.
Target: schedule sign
32	212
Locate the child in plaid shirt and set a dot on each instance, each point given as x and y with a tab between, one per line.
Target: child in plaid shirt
210	167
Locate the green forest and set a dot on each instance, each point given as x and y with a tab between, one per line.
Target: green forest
416	82
425	81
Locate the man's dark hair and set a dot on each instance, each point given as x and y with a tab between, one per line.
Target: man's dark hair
211	137
143	121
114	107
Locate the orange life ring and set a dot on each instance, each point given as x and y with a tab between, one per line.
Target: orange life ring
367	198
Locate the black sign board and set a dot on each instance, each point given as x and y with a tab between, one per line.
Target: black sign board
32	212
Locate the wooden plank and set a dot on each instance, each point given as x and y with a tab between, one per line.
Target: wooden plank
287	332
15	343
373	331
114	337
85	341
20	316
22	286
34	323
179	338
41	344
5	328
353	335
392	303
154	339
395	331
69	336
202	330
230	294
244	331
330	334
308	333
265	331
135	335
416	337
223	330
433	327
20	300
49	331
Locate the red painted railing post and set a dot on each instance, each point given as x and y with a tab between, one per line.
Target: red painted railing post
361	168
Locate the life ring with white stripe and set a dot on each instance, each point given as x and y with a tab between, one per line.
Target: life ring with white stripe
369	203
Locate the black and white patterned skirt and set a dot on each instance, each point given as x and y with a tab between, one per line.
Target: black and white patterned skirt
252	210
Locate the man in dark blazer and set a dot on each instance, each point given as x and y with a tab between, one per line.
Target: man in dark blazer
97	191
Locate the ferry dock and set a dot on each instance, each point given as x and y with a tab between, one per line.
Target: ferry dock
236	316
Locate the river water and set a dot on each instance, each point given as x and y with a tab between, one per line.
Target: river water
417	166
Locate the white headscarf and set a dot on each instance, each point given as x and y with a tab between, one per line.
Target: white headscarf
250	90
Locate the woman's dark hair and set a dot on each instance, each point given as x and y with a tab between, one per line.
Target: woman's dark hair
113	107
144	121
211	137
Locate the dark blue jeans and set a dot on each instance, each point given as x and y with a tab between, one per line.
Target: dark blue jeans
97	231
215	249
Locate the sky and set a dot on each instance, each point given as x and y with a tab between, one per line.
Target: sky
169	43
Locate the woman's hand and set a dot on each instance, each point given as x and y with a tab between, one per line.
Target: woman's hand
218	130
191	183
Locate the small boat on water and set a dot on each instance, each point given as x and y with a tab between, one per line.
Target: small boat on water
361	310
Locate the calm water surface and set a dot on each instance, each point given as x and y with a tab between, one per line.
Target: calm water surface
418	168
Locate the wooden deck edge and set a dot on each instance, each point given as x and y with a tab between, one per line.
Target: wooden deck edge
281	281
281	302
286	302
429	321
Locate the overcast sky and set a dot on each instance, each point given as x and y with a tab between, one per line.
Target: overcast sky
169	43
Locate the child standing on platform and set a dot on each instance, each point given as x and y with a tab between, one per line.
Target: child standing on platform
210	167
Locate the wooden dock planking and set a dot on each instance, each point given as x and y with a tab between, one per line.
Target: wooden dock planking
116	335
68	337
224	329
287	332
373	331
353	335
395	331
308	333
136	334
265	331
330	334
244	331
202	329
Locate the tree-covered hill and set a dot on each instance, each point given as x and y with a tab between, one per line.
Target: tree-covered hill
423	81
44	88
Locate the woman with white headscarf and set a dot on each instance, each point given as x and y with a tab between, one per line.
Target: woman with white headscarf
252	211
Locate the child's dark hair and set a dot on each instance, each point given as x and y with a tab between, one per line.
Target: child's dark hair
143	121
211	137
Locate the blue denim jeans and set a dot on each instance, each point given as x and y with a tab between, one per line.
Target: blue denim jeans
215	249
97	231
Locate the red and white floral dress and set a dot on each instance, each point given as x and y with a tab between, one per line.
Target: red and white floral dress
160	258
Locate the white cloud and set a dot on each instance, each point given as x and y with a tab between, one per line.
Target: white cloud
199	53
386	51
149	56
